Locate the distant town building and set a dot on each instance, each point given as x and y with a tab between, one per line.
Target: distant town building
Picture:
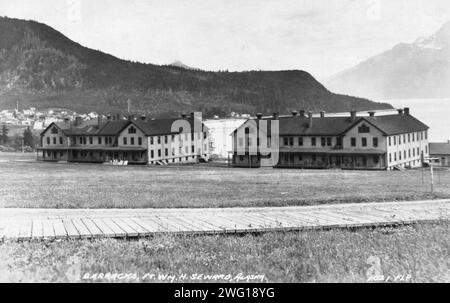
380	142
220	134
133	141
441	152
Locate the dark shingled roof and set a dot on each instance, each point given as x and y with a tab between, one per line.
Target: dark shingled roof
332	126
114	127
439	148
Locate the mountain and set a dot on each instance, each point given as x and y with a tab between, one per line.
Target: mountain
417	70
41	67
178	63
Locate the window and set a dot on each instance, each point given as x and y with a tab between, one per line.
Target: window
152	154
192	137
322	141
418	152
159	140
300	141
399	140
151	140
376	159
48	140
414	152
204	135
81	140
329	141
339	141
90	140
159	153
404	138
399	155
285	141
132	140
165	139
54	130
84	140
60	140
192	149
390	157
363	129
426	135
99	140
186	149
404	154
395	156
166	152
291	141
364	142
173	138
132	130
421	135
395	140
124	140
54	140
375	142
409	153
140	141
413	137
389	141
426	149
353	141
313	141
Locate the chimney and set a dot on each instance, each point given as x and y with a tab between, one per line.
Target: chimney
406	110
353	115
400	111
77	120
294	113
143	117
322	114
302	113
310	118
372	114
259	116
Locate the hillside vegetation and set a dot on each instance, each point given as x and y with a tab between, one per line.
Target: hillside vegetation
41	67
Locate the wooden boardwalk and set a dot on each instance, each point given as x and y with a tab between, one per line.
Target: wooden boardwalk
50	224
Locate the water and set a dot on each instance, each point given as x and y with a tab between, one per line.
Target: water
433	112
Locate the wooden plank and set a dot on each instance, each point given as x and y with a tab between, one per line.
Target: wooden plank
93	229
300	221
37	231
314	221
149	225
129	231
25	230
118	232
47	228
216	225
72	232
106	230
81	228
168	225
12	230
58	227
139	229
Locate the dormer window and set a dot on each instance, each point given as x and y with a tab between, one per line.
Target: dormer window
363	129
54	130
132	130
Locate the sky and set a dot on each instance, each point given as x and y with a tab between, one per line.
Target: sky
322	37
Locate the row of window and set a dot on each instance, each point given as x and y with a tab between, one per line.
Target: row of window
132	141
166	151
411	137
166	138
406	154
364	142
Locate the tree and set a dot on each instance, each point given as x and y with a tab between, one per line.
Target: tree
28	139
4	134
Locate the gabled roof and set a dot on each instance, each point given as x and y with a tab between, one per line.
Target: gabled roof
397	124
439	148
163	126
334	126
114	127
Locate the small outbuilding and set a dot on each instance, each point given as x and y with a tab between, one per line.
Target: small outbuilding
440	151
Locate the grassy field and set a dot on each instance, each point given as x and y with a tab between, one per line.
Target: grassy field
52	185
413	253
